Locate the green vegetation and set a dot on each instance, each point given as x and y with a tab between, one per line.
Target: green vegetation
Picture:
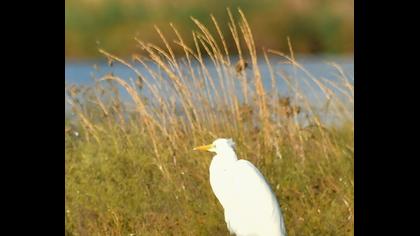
315	26
130	168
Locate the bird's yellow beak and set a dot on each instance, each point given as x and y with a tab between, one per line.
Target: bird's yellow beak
204	148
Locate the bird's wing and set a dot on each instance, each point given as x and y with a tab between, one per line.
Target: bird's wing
254	199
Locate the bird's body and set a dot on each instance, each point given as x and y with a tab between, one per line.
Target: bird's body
250	207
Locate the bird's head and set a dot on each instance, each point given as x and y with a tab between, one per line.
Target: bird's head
219	145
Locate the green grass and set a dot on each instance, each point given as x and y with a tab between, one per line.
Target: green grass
317	26
116	188
131	168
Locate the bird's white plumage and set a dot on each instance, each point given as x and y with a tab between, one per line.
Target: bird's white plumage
250	206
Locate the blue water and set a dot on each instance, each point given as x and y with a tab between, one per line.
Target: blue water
81	72
84	73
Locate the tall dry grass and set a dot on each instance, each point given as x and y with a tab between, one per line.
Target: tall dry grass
131	170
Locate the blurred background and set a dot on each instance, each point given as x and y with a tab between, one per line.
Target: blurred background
314	26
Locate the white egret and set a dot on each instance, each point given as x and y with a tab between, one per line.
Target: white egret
250	206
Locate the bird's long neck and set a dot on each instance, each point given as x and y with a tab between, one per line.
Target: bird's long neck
228	155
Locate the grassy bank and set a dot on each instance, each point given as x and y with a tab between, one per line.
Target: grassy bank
130	168
316	26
